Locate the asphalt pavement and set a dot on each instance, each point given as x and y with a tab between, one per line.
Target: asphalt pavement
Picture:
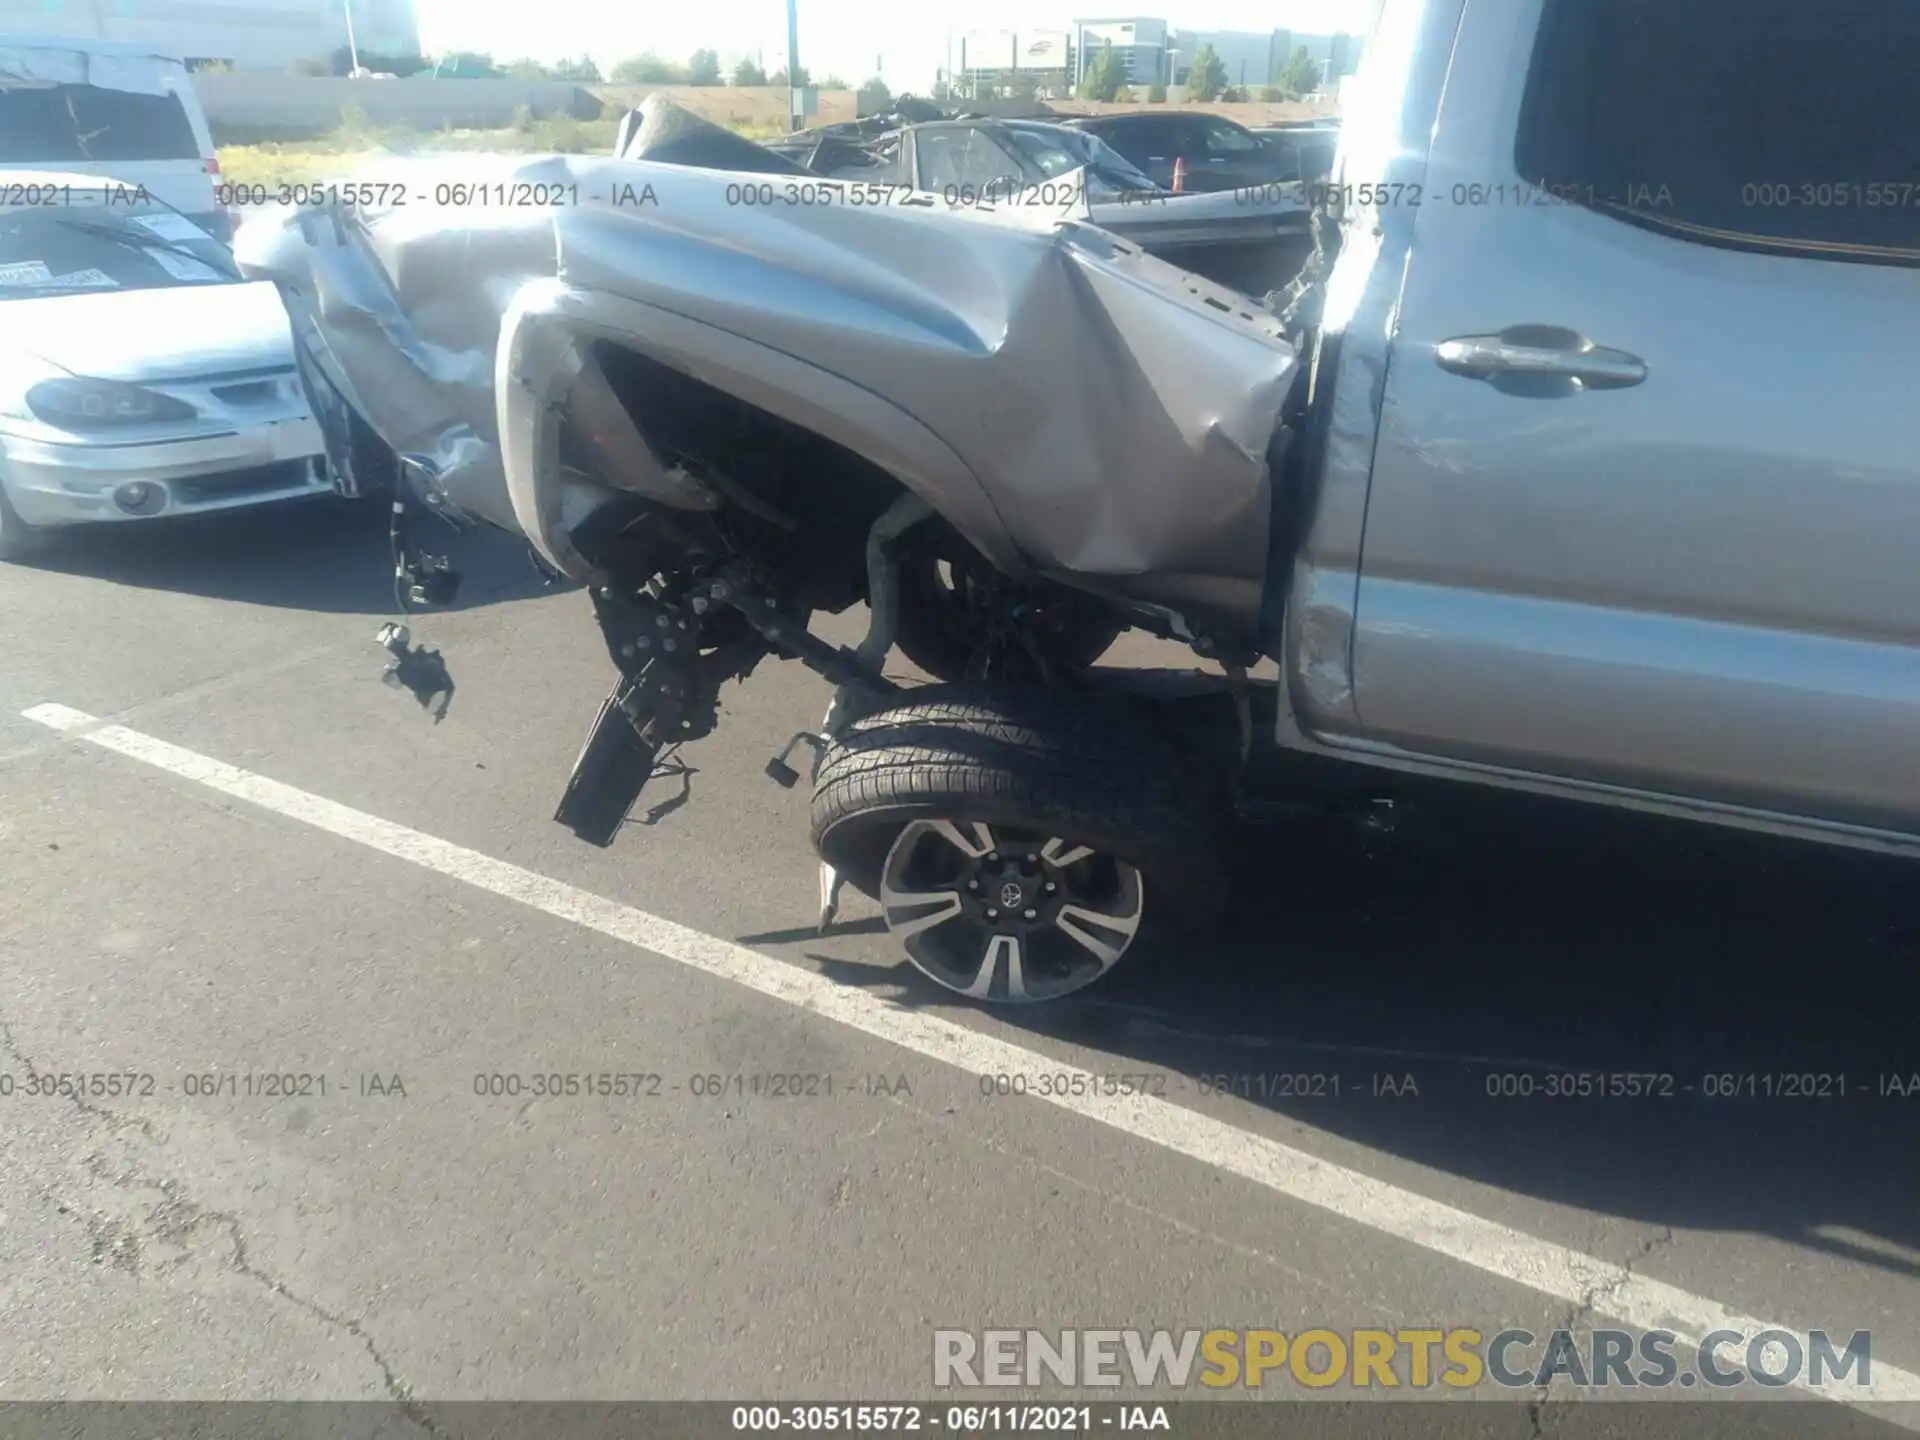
291	869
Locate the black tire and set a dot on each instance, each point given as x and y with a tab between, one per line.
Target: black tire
939	634
1091	772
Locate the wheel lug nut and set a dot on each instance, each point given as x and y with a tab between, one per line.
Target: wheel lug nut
992	914
973	884
1032	914
993	857
1051	887
1033	859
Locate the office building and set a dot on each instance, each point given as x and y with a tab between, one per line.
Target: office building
1249	59
258	35
1142	44
1007	62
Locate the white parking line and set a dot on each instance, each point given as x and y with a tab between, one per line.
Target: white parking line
1498	1250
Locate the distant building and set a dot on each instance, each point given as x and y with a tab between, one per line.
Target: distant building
1249	59
1256	59
246	34
1007	63
1142	44
1343	58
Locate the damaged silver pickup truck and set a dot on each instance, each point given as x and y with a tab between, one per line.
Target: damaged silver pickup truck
1514	490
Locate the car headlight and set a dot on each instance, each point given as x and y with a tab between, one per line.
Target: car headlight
75	404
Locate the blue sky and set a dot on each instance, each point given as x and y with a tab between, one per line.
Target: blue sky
843	37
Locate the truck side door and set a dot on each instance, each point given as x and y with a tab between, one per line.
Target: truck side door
1645	504
1150	142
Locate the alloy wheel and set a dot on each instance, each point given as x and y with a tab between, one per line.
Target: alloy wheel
1008	915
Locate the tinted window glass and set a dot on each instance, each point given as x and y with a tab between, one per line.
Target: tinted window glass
1769	123
1225	139
55	124
1140	140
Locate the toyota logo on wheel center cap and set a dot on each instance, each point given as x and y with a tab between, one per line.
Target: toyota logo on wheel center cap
1011	895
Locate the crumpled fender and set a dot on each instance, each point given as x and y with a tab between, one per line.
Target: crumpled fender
1073	406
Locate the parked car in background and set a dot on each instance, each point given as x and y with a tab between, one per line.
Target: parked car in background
1219	154
970	160
1313	143
140	374
109	109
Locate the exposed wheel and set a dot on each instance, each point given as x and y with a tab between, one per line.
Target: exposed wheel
17	539
1021	842
960	619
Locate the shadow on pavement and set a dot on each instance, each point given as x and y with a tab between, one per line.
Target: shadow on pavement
321	554
1494	944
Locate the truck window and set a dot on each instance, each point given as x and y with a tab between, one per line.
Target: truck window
1225	139
52	125
1140	140
1760	124
965	160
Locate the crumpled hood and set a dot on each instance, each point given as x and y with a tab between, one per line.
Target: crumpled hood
143	335
1069	403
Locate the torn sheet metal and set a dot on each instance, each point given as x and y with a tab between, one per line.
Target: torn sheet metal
1070	404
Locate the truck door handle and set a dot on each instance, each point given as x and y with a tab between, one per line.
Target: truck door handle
1541	350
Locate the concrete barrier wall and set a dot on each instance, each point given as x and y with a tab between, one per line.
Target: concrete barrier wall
764	105
300	106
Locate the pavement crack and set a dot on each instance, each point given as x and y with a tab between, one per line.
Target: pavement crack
37	1079
397	1389
176	1218
1593	1302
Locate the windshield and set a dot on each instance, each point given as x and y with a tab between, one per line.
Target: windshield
1055	152
71	124
56	248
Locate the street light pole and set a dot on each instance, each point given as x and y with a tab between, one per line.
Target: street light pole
793	65
353	50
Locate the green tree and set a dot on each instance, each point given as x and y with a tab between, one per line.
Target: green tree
1302	75
748	73
582	71
648	69
1233	95
703	68
833	82
1207	77
527	70
1105	78
1156	94
801	79
873	98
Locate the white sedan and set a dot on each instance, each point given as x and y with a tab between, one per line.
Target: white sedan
140	375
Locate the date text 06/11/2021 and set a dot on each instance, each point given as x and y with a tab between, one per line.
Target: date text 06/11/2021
450	194
198	1084
1008	1419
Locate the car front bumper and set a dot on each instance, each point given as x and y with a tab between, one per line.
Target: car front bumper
62	484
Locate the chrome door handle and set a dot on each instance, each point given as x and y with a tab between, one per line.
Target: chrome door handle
1538	350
